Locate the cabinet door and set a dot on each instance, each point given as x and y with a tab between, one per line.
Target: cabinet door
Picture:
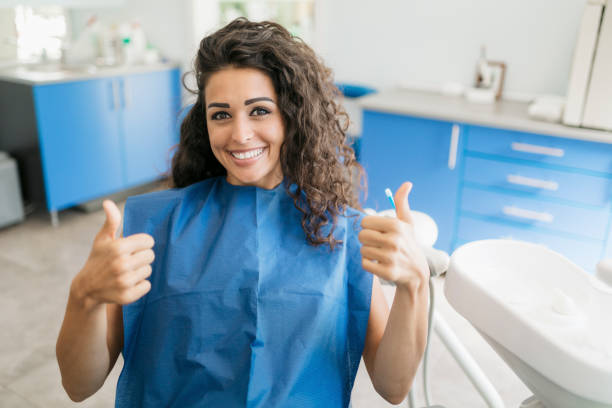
398	148
79	140
151	103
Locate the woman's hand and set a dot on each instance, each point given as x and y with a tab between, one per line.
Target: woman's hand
117	268
389	248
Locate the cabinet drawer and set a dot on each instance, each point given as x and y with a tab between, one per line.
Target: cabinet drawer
542	149
584	253
536	213
538	181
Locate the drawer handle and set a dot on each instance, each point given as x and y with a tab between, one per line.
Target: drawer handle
127	94
115	90
527	214
532	182
452	151
535	149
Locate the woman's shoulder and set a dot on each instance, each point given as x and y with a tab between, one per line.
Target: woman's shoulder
350	212
153	212
171	195
348	225
352	217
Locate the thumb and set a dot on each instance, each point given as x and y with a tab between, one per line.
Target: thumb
113	219
402	208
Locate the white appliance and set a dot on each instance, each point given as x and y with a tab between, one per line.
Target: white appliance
590	85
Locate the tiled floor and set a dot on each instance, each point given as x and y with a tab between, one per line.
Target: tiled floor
37	264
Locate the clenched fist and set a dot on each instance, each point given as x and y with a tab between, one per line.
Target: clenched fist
117	268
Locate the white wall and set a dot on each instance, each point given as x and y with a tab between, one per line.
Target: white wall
429	42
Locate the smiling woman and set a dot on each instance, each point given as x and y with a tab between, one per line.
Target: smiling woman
250	283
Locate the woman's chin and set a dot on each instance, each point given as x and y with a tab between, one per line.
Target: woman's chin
243	179
254	179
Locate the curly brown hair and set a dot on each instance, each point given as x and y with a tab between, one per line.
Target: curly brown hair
315	156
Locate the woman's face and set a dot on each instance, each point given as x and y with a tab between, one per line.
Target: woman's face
245	126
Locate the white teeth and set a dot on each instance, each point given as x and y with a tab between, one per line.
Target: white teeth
248	155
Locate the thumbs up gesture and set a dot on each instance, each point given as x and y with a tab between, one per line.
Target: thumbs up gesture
117	268
389	248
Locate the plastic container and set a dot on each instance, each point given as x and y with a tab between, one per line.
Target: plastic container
138	42
127	51
11	205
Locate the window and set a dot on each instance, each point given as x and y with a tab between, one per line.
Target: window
297	16
40	32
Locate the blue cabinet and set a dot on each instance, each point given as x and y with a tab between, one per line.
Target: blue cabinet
397	148
79	138
539	188
101	136
507	184
150	111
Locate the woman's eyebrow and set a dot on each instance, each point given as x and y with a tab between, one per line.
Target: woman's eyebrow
218	105
261	98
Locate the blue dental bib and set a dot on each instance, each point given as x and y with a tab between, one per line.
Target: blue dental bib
242	311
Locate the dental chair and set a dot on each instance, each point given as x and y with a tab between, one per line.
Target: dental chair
547	318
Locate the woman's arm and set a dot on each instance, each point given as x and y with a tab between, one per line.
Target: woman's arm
379	315
88	345
389	250
395	341
91	336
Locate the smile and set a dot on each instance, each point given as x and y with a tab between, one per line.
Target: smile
249	154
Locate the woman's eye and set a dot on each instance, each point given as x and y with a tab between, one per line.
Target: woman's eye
220	115
259	112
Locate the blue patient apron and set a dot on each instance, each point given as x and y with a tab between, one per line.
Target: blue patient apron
242	311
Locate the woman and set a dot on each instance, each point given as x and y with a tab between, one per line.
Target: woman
258	285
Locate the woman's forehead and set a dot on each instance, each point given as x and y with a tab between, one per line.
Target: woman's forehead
238	84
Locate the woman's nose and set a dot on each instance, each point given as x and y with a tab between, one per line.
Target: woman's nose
242	131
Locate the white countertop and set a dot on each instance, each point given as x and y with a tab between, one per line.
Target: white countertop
503	114
43	76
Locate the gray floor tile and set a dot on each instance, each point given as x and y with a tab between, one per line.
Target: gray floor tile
42	387
37	245
32	303
11	399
